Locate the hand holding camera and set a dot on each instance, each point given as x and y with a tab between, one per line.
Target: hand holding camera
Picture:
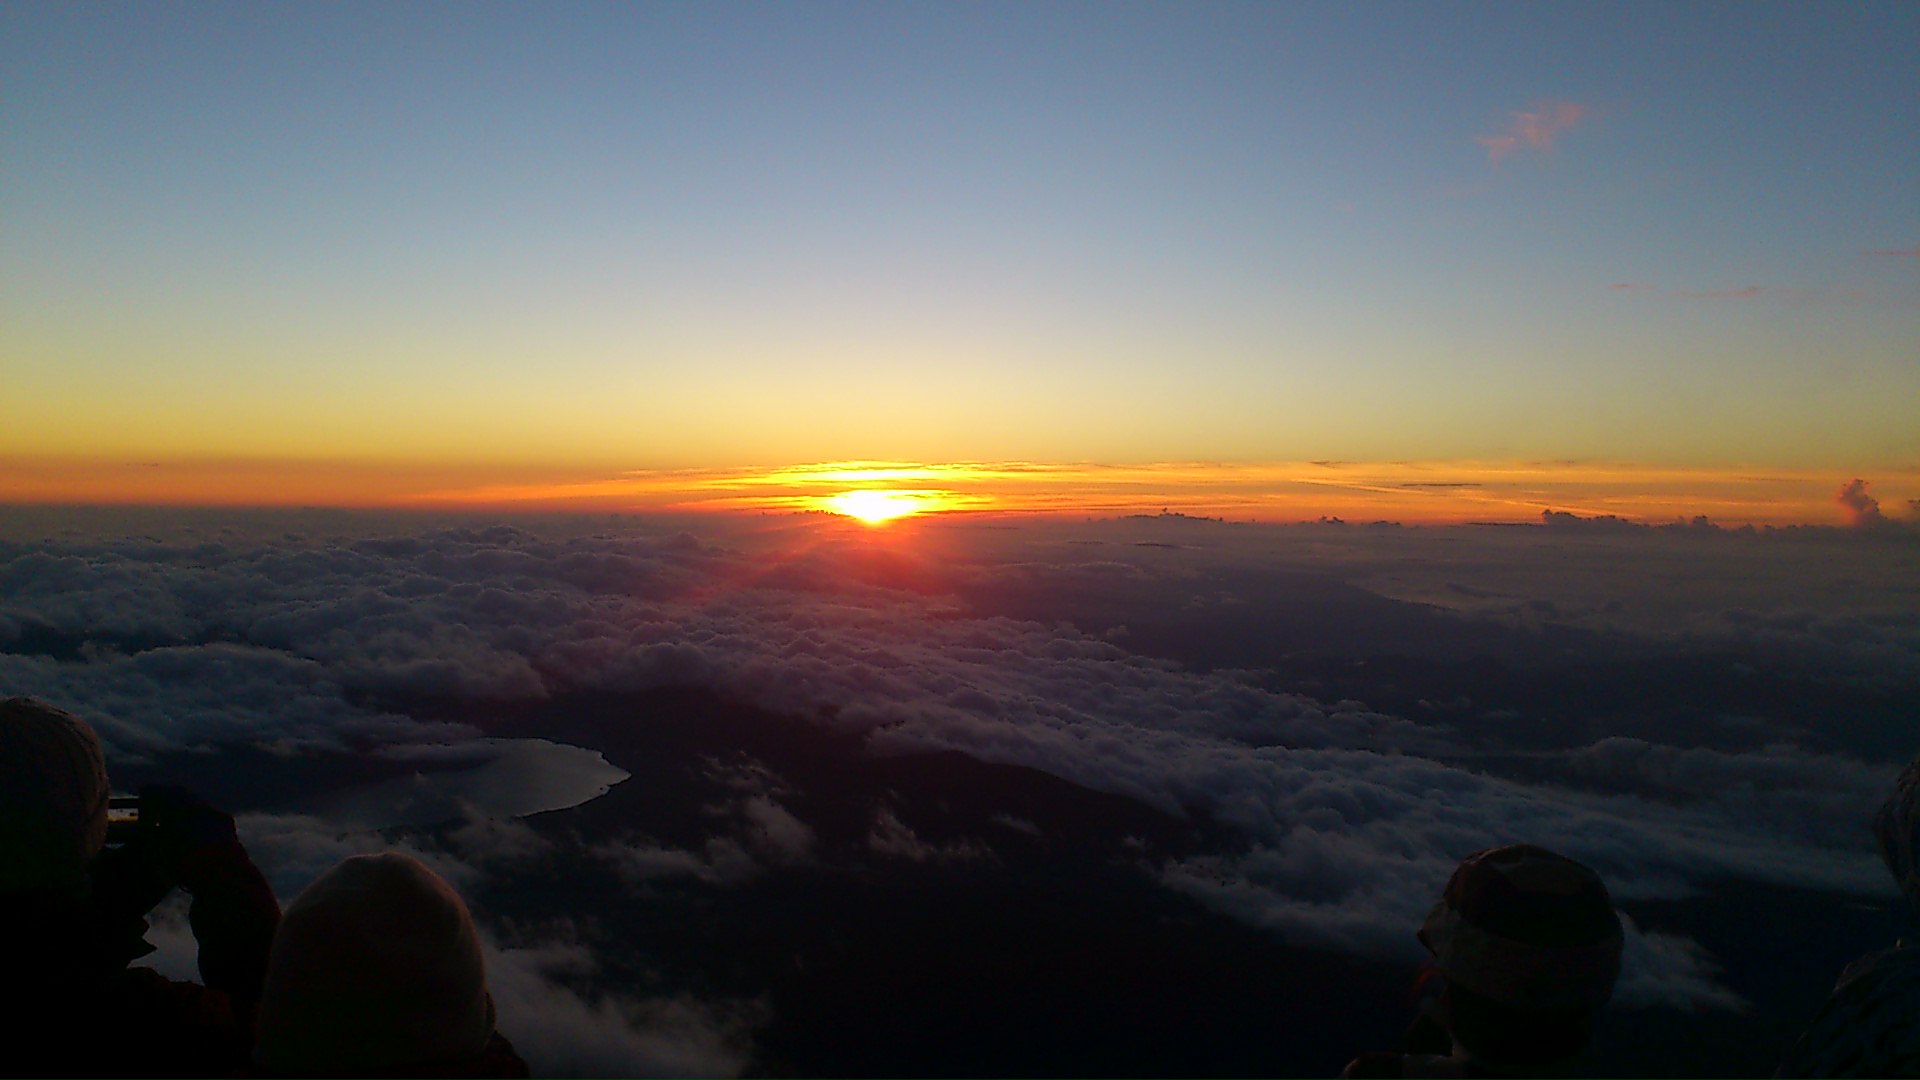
174	824
155	838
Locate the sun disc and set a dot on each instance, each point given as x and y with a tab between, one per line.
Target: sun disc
873	507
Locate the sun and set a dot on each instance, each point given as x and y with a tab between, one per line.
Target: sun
874	507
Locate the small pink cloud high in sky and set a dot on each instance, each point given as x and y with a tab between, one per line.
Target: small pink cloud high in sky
1535	129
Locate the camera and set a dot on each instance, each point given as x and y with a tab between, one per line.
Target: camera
123	818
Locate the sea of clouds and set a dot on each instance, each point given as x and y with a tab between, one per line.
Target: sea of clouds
300	633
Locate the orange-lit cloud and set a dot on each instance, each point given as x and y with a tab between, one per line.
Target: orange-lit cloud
1409	492
1432	492
1863	510
1536	130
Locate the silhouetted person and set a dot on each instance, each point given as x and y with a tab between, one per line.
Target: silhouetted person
1871	1024
73	913
1527	945
377	972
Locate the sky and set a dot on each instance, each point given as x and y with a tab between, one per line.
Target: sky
487	254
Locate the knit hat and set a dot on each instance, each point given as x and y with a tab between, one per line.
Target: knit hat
1525	927
1897	827
53	797
376	965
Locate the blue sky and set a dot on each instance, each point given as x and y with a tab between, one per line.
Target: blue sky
721	234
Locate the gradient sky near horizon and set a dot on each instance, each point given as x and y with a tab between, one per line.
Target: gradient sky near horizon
431	248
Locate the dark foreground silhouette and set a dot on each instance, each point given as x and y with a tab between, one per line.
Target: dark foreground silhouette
1052	957
376	971
75	911
1526	947
1871	1024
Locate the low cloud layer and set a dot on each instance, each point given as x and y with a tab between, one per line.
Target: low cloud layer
1349	817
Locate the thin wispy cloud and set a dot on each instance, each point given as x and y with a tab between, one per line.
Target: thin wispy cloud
1746	293
1535	130
1773	294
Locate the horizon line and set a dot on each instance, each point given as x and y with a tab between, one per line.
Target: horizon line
1408	492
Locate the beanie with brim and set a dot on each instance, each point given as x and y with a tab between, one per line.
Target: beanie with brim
376	965
1525	927
53	798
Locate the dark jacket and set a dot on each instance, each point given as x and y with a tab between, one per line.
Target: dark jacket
496	1061
80	1008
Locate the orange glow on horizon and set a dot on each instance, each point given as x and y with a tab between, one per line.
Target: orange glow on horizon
1411	493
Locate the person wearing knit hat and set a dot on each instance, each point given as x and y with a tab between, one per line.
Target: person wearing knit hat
74	909
53	799
1870	1026
1527	945
377	971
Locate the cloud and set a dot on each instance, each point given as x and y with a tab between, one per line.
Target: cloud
562	1032
1897	253
1780	788
1798	296
1863	510
1535	130
755	833
1670	970
1560	520
1346	818
723	861
294	849
774	832
176	953
894	839
498	843
183	696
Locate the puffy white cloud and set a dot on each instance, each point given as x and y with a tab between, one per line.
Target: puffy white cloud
563	1032
1670	970
180	697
